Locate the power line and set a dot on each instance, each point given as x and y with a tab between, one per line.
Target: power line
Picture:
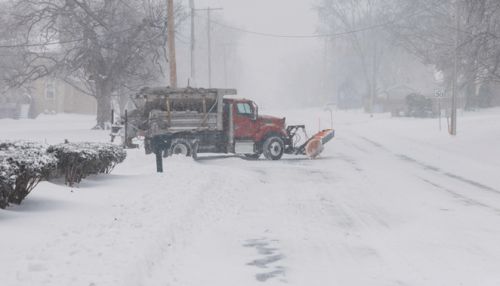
209	39
326	35
271	35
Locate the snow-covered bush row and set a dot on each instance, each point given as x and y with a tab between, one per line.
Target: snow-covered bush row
79	160
22	166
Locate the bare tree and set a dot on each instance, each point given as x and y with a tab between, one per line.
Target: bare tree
98	46
10	53
431	34
368	44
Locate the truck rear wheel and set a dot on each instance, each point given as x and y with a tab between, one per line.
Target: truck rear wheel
273	148
180	147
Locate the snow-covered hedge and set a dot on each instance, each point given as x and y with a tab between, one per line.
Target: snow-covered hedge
79	160
22	166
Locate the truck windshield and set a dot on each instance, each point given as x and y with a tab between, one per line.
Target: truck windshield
245	109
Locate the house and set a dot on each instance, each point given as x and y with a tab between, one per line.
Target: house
49	95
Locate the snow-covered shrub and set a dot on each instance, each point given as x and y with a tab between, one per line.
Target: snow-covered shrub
8	175
79	160
109	156
33	167
73	161
23	166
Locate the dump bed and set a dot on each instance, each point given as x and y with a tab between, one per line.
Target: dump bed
169	110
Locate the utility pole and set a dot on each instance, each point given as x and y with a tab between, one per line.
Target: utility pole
374	77
225	65
453	127
324	77
171	43
225	47
209	41
193	67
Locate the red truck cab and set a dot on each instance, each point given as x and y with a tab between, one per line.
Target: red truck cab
246	126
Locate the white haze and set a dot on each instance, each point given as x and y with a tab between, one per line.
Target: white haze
265	66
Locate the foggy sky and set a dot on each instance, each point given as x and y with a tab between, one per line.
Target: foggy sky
267	62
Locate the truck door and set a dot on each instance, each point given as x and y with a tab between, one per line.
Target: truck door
244	121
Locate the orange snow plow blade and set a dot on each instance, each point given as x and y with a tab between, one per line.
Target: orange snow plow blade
315	145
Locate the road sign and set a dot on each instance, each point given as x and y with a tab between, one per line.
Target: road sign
439	92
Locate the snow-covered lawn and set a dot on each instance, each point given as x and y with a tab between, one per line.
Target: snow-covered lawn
390	202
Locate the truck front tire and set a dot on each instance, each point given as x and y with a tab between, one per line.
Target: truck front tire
180	147
273	148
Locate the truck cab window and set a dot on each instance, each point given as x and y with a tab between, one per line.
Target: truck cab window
244	109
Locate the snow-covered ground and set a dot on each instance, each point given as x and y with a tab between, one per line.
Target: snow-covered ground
390	202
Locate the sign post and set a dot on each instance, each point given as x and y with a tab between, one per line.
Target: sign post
439	94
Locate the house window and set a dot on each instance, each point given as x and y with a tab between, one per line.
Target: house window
50	89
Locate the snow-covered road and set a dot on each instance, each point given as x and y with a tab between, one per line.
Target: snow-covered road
388	203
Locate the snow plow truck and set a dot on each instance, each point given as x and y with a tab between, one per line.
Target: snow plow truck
189	121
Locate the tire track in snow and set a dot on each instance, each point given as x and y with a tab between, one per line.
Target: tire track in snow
436	171
450	175
381	161
429	167
461	197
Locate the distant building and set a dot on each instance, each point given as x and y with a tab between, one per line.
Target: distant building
348	96
15	104
393	99
47	95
